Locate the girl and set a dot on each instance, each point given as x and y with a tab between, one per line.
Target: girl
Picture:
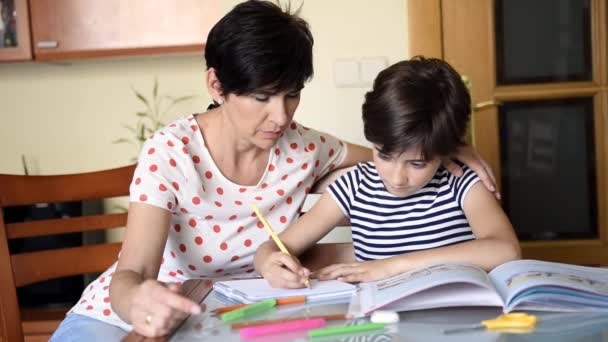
406	210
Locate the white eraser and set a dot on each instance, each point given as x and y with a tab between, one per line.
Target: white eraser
385	316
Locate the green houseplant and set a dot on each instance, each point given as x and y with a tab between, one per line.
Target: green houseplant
151	119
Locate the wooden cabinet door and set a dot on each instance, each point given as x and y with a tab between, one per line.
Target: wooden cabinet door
14	31
92	28
538	72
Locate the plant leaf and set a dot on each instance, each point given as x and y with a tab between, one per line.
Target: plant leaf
141	98
130	128
121	140
142	114
142	132
155	90
183	98
174	101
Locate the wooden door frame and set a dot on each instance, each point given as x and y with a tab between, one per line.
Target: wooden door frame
424	28
425	31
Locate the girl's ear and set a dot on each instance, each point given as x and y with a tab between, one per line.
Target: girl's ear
214	86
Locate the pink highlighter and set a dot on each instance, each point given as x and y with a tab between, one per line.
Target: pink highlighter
277	328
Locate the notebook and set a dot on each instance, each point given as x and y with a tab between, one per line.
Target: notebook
253	290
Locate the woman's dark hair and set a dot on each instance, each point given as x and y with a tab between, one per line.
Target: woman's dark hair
259	46
420	103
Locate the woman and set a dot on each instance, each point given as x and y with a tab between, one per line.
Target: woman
189	215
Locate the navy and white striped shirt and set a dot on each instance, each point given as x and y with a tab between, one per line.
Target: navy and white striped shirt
384	225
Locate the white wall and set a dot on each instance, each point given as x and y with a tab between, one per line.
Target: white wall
348	29
64	116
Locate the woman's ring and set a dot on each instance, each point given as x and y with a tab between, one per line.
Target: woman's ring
148	319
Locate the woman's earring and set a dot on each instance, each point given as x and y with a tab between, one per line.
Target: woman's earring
220	101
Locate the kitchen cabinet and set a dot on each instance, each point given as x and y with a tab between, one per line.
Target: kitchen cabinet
74	29
14	31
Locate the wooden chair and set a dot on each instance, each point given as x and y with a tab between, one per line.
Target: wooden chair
325	254
26	268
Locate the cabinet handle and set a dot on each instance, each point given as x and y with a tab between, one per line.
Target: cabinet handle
484	104
47	44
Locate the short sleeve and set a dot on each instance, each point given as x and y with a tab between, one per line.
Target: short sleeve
343	190
462	185
329	150
156	178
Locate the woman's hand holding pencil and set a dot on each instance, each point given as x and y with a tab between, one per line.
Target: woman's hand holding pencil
280	268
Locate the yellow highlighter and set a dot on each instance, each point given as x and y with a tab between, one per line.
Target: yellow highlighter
275	237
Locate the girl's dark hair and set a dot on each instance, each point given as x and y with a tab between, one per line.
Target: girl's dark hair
259	46
420	103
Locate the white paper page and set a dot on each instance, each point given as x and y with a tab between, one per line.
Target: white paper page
410	284
450	295
516	276
253	290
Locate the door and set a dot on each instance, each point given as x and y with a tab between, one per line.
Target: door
539	88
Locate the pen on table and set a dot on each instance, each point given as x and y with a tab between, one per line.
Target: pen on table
345	329
282	327
239	325
275	237
281	301
249	310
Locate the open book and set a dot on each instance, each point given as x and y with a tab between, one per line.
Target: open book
516	285
253	290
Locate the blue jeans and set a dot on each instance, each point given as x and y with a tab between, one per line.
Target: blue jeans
82	328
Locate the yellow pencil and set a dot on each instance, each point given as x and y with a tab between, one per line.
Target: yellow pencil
275	237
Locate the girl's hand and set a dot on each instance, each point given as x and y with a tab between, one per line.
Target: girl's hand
358	272
283	271
157	309
469	156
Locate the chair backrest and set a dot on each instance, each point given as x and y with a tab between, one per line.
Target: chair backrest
26	268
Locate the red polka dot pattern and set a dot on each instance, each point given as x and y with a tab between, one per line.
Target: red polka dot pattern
213	230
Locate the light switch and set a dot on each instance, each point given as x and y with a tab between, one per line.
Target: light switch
370	67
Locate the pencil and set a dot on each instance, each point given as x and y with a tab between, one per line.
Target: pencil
240	325
282	301
275	237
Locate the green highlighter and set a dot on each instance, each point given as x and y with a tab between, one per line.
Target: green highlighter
345	329
249	310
